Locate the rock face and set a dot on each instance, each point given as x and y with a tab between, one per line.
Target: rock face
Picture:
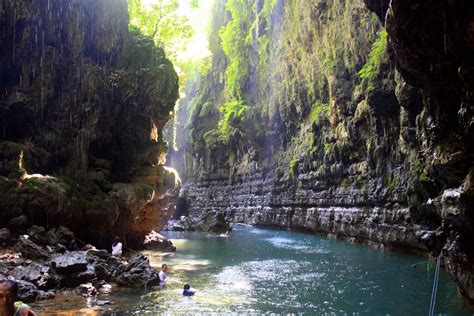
265	202
437	59
335	120
83	101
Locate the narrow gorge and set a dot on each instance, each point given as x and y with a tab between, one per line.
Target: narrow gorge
304	119
352	119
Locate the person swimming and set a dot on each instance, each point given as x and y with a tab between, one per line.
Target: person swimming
188	291
163	276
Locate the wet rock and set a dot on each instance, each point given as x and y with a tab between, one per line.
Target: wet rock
60	237
30	250
98	253
181	224
156	241
5	234
102	272
43	295
105	289
27	291
84	276
87	289
40	275
17	223
136	273
102	303
64	236
71	262
37	233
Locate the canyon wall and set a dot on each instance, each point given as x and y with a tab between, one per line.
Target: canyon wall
83	101
325	117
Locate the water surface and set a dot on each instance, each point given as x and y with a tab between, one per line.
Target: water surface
254	271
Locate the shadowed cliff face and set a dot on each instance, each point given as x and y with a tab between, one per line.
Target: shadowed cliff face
82	99
433	46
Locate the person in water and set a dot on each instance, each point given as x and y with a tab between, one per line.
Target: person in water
163	276
188	291
8	304
117	247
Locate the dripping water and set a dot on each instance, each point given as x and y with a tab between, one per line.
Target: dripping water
445	36
14	34
42	76
390	8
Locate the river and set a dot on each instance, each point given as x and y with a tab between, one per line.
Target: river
255	271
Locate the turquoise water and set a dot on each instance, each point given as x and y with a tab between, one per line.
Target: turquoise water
254	271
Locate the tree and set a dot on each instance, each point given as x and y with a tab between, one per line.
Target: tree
161	20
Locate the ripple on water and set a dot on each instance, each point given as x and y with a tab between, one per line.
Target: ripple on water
299	246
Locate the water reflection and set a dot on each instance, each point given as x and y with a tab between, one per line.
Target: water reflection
255	271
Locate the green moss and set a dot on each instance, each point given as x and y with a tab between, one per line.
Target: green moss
232	111
327	148
371	67
293	165
317	110
392	183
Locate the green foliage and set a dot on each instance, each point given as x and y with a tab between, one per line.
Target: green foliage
21	166
162	22
235	46
327	148
371	68
392	183
194	4
293	165
232	111
317	110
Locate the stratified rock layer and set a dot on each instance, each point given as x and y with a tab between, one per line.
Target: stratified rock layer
358	125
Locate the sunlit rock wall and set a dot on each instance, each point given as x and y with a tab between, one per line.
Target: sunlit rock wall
84	100
354	128
324	145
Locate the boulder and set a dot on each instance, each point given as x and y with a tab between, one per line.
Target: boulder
60	235
27	291
102	303
51	237
30	250
19	222
46	295
98	253
102	272
87	289
74	279
36	234
156	241
65	236
114	263
105	289
39	275
136	273
71	262
5	235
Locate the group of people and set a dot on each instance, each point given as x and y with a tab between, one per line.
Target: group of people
9	304
187	290
117	251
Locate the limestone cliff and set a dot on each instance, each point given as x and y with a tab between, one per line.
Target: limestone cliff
328	118
83	99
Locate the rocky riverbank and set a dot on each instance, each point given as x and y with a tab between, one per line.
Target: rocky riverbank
44	261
